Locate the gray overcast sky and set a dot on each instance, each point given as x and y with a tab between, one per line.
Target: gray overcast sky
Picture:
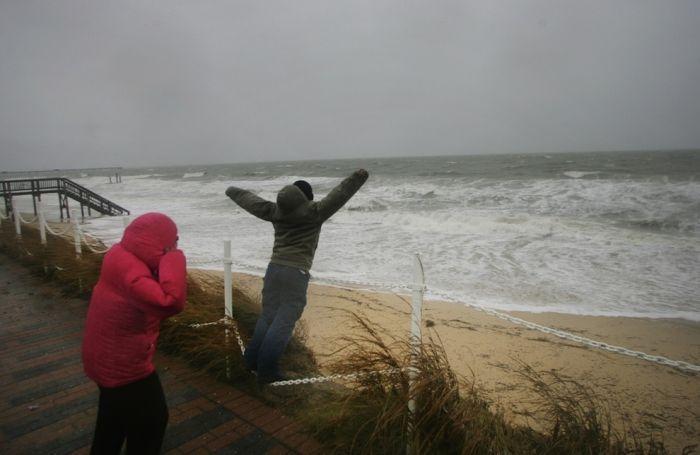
132	82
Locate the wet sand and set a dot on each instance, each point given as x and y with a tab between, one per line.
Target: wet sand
491	349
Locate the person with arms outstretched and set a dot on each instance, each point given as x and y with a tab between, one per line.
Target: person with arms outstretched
297	221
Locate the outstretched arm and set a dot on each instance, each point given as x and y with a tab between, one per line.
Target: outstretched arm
341	194
251	203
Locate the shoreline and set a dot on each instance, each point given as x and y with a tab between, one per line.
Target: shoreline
527	311
491	351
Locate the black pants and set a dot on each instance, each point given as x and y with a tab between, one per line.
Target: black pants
136	412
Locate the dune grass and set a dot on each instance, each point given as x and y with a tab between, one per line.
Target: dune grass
453	416
368	414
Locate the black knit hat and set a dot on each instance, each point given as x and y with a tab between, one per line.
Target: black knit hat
305	188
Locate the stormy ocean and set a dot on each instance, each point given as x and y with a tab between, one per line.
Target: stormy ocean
580	233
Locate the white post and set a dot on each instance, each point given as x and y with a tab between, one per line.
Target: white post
76	232
228	287
125	221
15	214
417	308
42	222
228	298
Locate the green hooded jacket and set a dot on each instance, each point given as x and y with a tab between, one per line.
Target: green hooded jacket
297	221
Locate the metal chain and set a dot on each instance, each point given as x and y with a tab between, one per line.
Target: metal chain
202	261
230	321
206	324
87	234
679	364
19	214
333	377
59	233
94	250
226	320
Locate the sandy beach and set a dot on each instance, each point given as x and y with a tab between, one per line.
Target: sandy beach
654	396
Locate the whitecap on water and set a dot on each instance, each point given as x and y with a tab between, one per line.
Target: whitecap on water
578	174
188	175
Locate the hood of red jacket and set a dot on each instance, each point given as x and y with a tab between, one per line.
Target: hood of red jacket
149	236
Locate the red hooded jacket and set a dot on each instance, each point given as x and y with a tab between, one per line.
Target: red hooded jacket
140	284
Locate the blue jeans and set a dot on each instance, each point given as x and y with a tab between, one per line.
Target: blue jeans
283	301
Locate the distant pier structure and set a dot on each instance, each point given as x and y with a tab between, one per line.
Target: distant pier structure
65	188
113	173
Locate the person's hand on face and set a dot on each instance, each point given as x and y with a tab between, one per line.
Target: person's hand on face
172	247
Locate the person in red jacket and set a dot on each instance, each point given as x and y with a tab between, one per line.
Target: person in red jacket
142	282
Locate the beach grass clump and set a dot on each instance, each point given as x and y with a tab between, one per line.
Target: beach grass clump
373	416
452	415
579	420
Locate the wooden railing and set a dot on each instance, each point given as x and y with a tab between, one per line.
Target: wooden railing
65	188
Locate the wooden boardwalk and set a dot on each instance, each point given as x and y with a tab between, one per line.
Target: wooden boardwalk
48	406
65	188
